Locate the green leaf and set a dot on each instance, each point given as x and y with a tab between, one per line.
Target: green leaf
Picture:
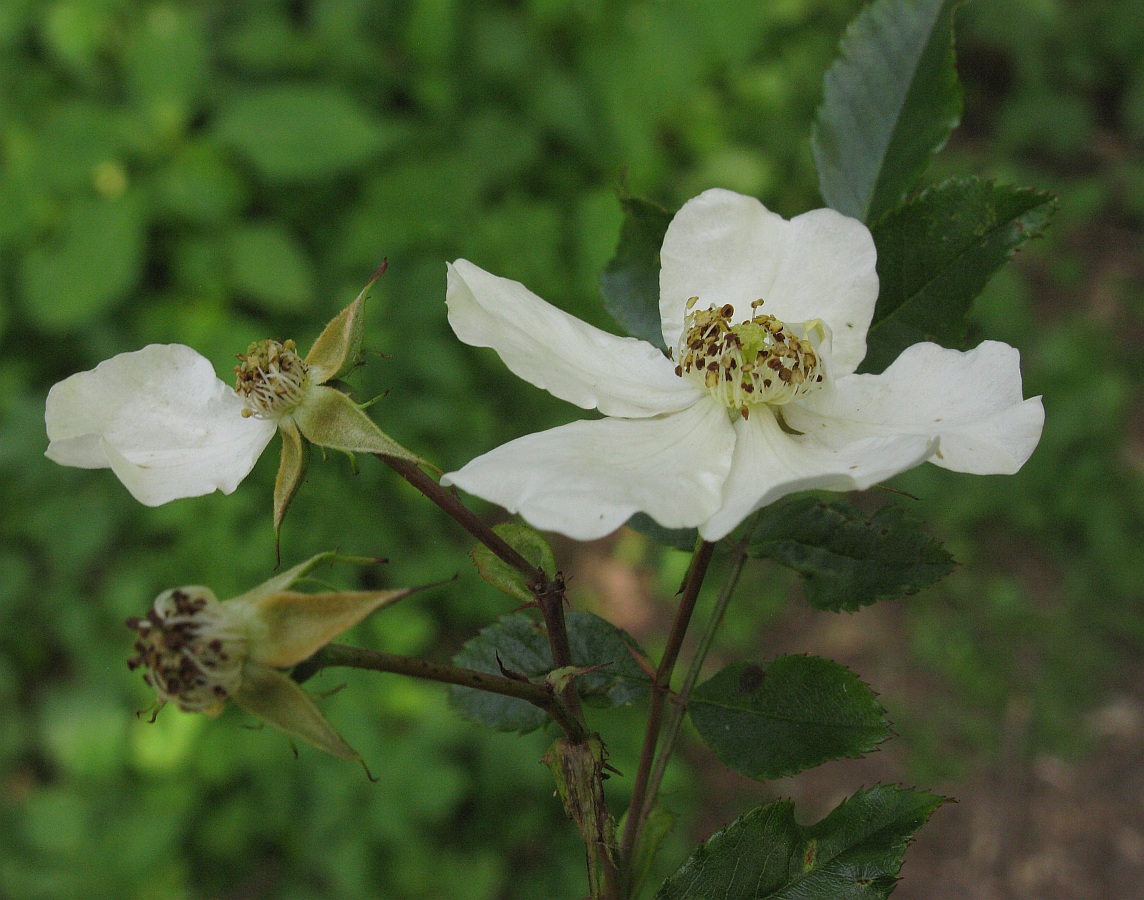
519	643
201	185
294	133
935	255
796	713
847	559
889	102
95	262
526	541
855	853
677	538
630	282
657	827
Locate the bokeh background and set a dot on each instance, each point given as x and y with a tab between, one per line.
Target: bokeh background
211	173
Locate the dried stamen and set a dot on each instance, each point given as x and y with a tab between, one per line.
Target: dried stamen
192	648
271	379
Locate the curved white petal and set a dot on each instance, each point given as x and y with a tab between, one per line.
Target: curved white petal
586	479
971	401
721	247
770	464
160	419
567	357
724	247
829	273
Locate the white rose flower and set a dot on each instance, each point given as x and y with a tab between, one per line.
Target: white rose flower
766	320
164	423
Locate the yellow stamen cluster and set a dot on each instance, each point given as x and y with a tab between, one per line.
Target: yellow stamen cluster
753	362
271	379
192	648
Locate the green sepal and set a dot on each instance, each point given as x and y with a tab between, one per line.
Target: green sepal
291	472
336	350
285	580
855	853
289	626
274	698
329	418
526	541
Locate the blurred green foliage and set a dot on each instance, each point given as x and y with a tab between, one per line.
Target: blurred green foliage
212	173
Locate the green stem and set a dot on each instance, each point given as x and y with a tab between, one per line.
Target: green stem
638	808
679	707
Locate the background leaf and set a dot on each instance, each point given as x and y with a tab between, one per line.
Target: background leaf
796	713
850	560
630	282
889	102
935	255
270	267
855	853
676	538
520	644
304	132
91	265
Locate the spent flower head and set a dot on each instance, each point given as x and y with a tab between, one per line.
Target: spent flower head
766	322
199	652
162	421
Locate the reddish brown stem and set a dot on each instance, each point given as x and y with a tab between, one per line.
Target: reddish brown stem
661	686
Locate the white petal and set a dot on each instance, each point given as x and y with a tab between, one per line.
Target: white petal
555	351
723	247
160	419
829	273
972	402
770	464
586	479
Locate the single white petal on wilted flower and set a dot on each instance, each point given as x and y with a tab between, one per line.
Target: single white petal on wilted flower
766	320
160	419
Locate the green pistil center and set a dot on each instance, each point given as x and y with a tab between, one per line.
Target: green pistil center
759	361
271	379
192	649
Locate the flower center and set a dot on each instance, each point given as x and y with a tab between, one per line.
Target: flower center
271	379
192	647
759	361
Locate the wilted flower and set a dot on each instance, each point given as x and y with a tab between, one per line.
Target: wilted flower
169	428
766	320
199	652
